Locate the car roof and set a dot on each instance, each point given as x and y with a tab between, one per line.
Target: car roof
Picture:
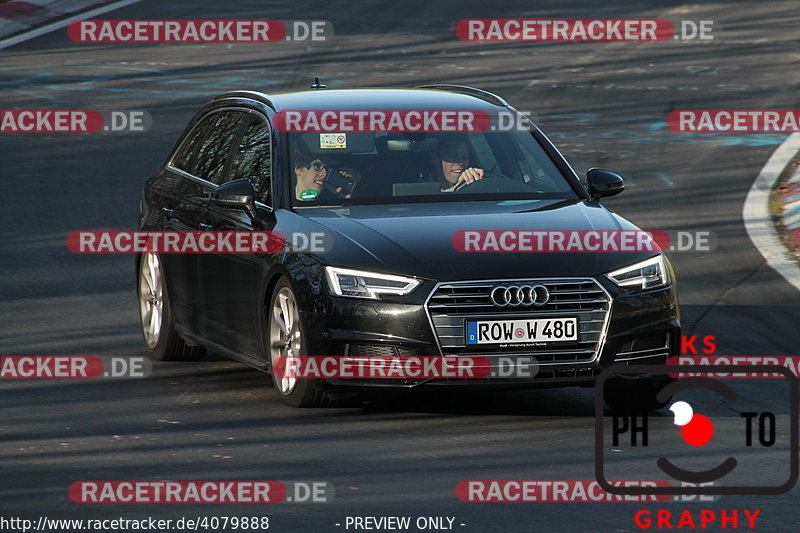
358	99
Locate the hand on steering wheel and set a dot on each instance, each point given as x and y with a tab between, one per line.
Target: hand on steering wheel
469	175
490	176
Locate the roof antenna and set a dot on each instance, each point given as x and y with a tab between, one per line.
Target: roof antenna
317	84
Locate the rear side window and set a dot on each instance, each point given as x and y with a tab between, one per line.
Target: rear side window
186	158
213	155
205	152
252	159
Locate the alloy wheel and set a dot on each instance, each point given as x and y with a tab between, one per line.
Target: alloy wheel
285	337
151	298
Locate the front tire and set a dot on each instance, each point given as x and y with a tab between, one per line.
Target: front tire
285	339
155	315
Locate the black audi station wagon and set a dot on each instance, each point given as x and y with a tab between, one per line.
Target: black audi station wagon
390	278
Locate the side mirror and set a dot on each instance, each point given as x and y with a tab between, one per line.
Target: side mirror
237	194
603	183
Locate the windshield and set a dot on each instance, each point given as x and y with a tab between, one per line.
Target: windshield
390	168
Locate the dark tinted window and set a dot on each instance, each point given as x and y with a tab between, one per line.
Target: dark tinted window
252	159
205	151
213	154
186	158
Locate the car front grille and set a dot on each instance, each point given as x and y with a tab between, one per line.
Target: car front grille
451	305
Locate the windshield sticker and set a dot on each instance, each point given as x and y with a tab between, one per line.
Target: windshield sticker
310	194
333	140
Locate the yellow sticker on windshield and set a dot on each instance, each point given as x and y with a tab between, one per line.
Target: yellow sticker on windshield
333	140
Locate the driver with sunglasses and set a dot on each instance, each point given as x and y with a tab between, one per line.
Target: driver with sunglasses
310	171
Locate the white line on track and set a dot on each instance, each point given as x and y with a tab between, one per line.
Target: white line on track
756	212
47	28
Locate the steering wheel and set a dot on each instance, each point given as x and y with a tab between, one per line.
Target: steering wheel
493	182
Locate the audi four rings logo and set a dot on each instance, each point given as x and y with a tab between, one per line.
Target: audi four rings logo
522	295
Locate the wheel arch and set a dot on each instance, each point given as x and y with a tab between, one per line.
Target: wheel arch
305	279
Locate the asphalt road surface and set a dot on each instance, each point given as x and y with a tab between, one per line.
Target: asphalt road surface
603	104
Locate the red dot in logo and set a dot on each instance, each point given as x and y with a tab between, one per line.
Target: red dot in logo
698	431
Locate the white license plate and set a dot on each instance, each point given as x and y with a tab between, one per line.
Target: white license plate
522	331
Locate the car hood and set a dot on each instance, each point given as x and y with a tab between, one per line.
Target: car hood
417	239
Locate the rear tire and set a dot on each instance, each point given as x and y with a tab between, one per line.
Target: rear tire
155	315
285	338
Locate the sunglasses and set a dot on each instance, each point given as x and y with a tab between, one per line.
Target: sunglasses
455	158
317	166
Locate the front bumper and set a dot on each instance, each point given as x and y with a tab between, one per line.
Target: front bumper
641	328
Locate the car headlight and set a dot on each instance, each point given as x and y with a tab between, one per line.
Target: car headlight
360	284
649	274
